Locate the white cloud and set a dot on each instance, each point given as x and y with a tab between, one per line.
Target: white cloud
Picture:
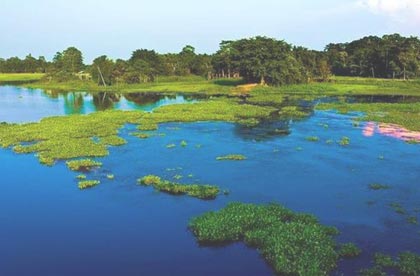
404	11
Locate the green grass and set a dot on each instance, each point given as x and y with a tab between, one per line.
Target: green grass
292	243
206	192
86	184
349	86
232	157
403	114
11	78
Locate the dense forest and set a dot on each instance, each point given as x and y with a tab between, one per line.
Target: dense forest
256	60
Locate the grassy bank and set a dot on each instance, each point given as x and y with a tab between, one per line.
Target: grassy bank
195	84
349	86
19	78
191	84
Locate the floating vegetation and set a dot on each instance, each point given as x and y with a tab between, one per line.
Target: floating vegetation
349	250
178	177
85	184
81	176
198	191
383	260
329	141
141	135
373	271
68	137
397	208
184	143
312	139
413	220
407	264
377	187
292	243
83	165
170	146
345	141
232	157
110	176
190	175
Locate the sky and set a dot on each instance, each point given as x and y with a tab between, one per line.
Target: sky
116	28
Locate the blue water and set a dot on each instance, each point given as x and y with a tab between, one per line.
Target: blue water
49	227
28	105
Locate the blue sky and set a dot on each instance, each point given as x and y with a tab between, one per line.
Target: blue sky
116	28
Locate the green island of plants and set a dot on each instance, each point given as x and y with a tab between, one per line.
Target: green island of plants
86	184
312	138
231	157
87	136
193	190
292	243
83	165
349	250
378	186
407	264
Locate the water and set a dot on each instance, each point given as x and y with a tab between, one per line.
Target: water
49	227
28	105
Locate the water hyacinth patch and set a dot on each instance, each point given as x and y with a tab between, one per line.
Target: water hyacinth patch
345	141
292	243
193	190
349	250
232	157
86	184
83	165
377	187
312	139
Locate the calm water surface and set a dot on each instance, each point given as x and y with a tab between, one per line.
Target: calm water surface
49	227
28	105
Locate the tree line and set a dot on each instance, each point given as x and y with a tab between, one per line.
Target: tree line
257	60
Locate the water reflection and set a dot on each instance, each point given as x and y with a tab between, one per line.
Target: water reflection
28	105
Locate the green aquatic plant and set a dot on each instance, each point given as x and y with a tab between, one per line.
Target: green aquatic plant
193	190
83	164
81	176
170	146
141	135
312	138
85	184
110	176
383	260
177	176
349	250
398	208
409	264
68	137
329	142
413	220
232	157
373	271
292	243
184	143
345	141
377	187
